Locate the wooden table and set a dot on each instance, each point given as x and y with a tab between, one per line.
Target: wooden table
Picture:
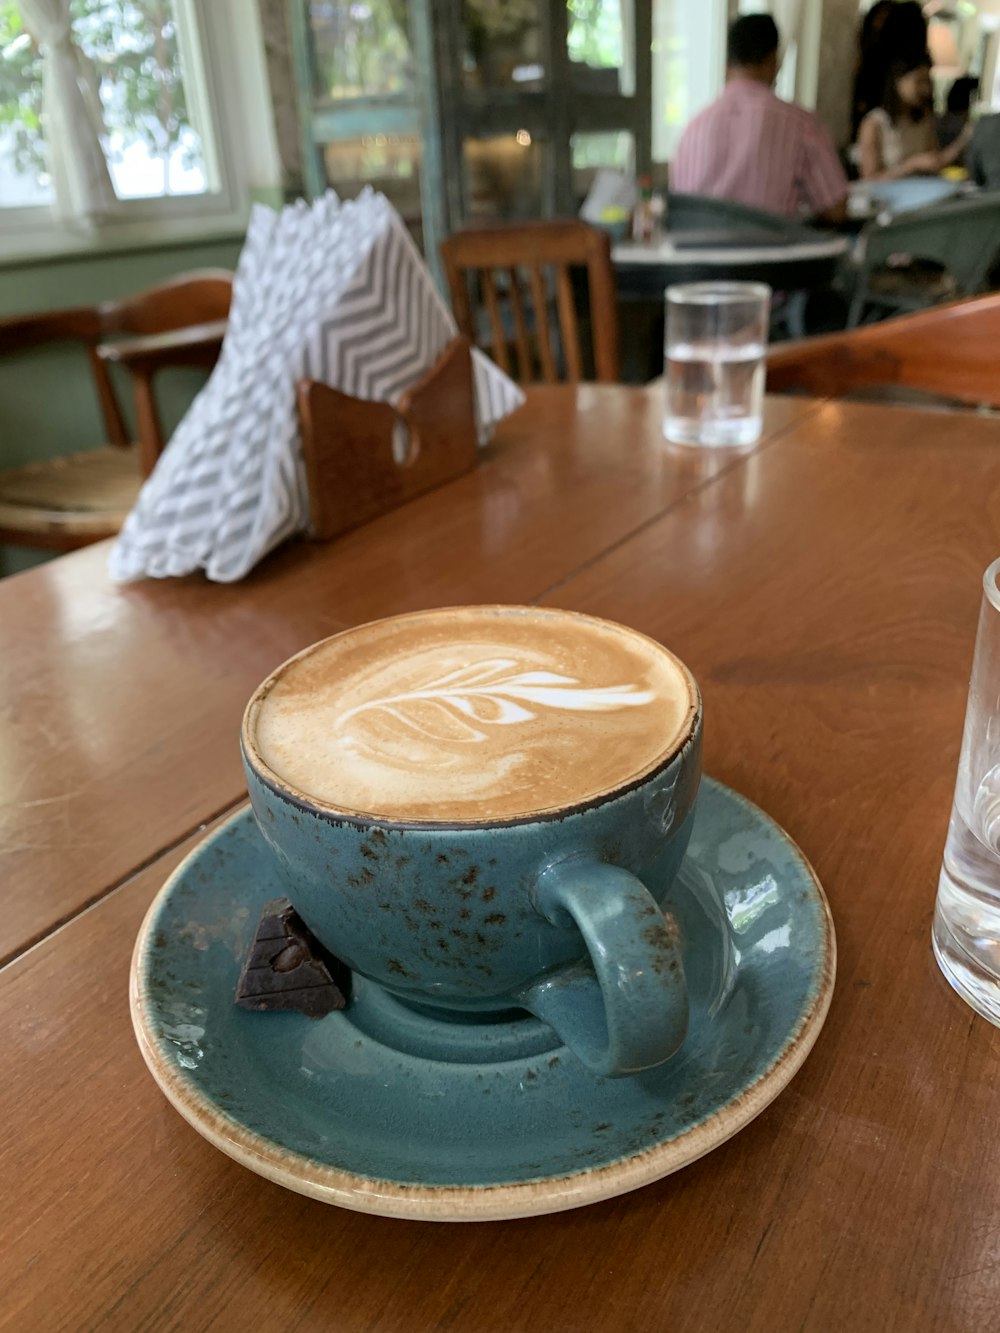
824	588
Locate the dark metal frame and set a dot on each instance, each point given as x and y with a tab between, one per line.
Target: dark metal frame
444	113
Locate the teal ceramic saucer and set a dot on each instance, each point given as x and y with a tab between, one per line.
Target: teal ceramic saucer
386	1112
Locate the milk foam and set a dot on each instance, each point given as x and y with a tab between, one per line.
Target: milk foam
471	714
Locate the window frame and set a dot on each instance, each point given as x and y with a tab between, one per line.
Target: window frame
226	80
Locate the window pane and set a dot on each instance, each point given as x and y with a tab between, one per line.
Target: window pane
361	48
689	57
591	151
503	44
503	177
600	41
152	147
23	177
388	162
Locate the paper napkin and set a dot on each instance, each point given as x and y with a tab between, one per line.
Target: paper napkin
334	291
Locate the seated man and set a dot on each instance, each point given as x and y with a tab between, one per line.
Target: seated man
751	147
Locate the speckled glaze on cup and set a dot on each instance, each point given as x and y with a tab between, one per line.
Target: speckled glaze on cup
369	1109
565	914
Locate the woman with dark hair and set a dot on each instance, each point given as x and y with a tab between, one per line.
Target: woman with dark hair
899	138
890	30
869	72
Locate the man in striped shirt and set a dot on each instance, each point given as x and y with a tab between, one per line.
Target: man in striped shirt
752	147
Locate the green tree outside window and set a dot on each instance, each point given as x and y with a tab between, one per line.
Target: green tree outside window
133	47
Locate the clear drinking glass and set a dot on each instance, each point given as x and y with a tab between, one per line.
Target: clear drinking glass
714	350
967	917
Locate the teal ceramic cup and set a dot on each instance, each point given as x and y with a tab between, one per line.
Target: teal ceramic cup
565	913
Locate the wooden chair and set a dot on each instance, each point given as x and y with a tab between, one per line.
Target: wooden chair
518	315
62	503
348	445
950	351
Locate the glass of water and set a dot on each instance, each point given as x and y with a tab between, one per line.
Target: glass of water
714	352
967	917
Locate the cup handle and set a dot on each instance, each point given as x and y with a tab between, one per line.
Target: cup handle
627	1008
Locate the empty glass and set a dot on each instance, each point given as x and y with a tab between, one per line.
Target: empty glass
967	918
714	352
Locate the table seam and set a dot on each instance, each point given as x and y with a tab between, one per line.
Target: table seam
740	461
25	946
19	952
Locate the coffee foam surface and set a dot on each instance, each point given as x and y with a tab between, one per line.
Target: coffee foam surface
471	714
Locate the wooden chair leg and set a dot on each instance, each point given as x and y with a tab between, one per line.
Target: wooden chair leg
147	420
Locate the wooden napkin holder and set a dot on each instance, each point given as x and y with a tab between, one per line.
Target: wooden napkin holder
347	443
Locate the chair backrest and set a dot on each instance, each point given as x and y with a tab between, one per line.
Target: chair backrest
192	298
948	350
518	313
963	235
200	297
698	212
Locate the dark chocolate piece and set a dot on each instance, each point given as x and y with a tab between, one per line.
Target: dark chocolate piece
287	968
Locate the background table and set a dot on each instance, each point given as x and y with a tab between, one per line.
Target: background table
643	272
824	588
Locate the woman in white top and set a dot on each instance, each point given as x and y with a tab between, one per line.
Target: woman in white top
899	138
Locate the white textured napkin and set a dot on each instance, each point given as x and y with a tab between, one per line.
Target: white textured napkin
334	291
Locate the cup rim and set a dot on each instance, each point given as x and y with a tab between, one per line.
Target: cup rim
717	292
687	732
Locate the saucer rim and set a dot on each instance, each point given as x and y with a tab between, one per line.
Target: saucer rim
459	1203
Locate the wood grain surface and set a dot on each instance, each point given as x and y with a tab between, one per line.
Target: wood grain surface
824	589
826	598
947	350
120	706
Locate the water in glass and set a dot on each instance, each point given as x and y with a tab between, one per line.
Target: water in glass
966	931
714	392
967	919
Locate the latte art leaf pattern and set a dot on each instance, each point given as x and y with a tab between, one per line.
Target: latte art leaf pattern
471	714
455	706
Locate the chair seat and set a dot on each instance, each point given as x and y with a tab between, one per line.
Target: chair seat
924	284
62	503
